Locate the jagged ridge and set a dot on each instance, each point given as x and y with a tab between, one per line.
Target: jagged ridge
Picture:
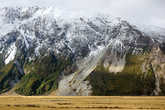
29	34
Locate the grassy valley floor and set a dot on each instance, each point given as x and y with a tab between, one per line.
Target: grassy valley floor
81	103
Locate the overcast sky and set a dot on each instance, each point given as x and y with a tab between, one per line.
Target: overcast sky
149	12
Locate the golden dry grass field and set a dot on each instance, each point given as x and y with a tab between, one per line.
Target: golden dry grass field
81	103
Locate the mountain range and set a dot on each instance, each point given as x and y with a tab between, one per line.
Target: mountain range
43	51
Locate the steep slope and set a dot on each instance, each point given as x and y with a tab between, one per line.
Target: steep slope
42	50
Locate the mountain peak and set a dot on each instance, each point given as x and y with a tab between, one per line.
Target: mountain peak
52	41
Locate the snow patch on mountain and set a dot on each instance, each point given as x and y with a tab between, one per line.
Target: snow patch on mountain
11	53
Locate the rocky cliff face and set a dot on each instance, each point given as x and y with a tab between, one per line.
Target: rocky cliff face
41	50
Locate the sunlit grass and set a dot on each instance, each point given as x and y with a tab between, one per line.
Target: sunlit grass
81	103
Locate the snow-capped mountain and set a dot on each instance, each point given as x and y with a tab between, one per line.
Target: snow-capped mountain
27	35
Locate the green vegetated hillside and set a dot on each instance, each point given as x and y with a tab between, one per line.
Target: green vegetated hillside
131	81
41	76
142	75
9	75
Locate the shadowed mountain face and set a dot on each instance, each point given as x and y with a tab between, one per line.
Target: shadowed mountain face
41	52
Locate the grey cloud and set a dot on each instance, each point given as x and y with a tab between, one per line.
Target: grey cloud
149	12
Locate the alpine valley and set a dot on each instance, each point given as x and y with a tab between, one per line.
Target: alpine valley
45	51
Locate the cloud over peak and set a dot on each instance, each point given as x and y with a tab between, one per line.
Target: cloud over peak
149	12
